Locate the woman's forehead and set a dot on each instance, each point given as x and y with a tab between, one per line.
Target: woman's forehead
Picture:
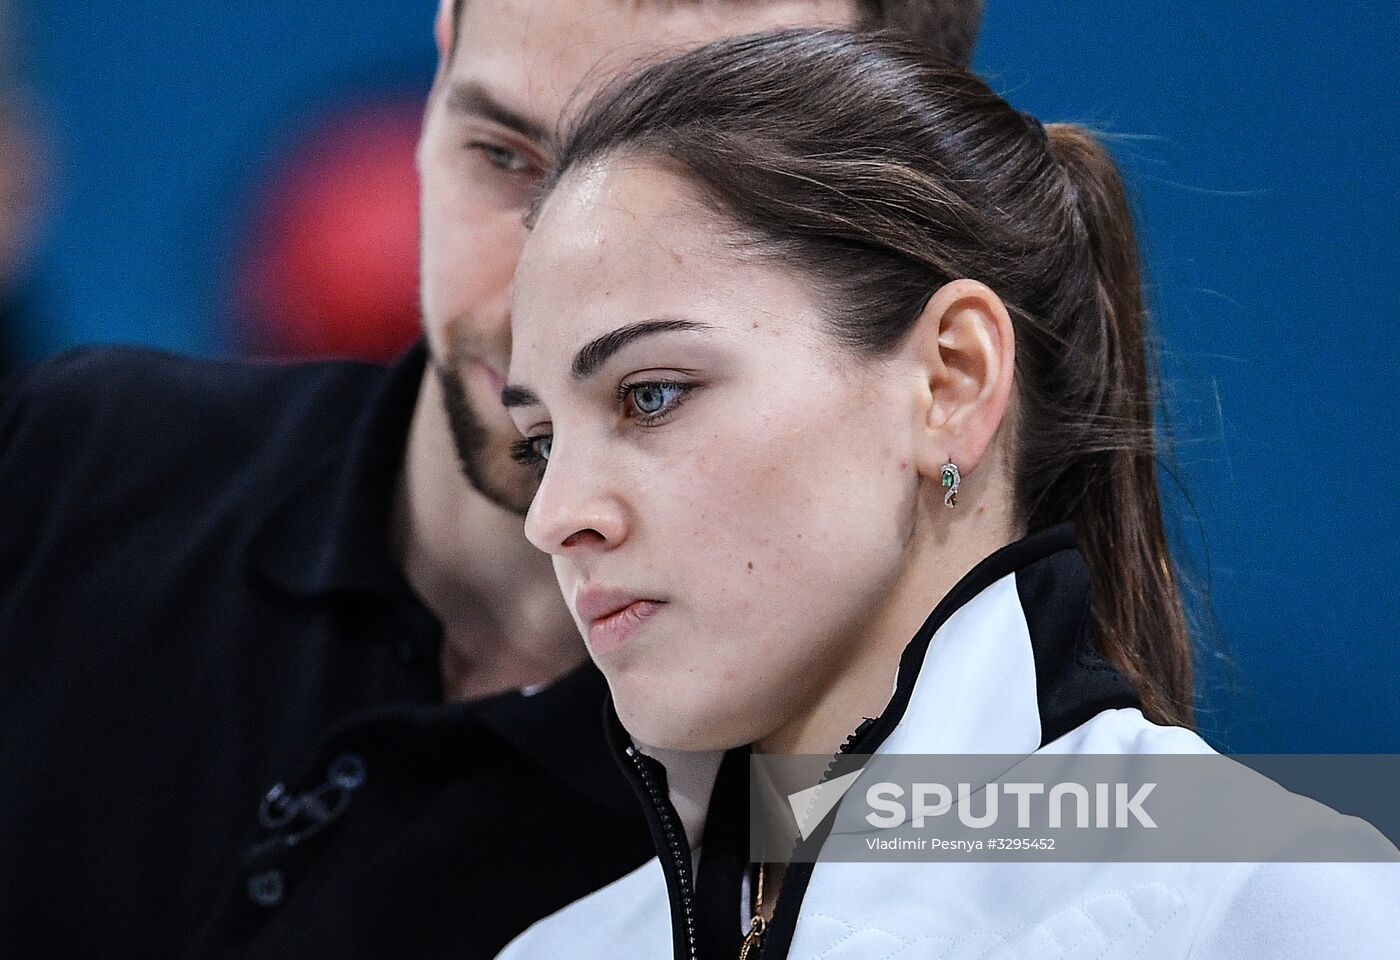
620	208
615	241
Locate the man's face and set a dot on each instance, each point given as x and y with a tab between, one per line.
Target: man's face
518	65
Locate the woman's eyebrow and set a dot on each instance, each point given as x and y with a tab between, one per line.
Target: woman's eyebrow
596	352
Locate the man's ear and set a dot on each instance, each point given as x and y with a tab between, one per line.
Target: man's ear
964	345
442	31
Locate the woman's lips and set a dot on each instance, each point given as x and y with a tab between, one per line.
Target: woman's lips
610	630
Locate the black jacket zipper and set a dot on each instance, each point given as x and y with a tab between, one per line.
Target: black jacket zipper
674	850
673	847
831	767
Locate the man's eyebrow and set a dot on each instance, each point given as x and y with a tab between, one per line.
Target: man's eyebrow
518	397
596	352
470	98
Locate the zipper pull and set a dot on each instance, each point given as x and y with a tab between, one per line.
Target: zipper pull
753	940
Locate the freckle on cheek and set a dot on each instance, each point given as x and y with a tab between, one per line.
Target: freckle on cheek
903	464
750	564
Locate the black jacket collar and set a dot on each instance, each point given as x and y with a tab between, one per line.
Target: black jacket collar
548	727
329	531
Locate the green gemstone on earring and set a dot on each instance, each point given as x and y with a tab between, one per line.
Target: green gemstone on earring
951	481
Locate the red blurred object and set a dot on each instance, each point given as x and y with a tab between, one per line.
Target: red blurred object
332	267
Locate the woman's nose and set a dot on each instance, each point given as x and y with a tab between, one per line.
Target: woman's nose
574	508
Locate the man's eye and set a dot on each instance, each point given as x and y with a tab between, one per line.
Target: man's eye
503	158
651	401
532	449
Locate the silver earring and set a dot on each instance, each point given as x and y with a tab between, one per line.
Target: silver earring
952	478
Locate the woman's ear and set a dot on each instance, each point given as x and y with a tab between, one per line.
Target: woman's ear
965	349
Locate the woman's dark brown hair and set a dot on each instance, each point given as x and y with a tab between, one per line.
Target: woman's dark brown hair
882	174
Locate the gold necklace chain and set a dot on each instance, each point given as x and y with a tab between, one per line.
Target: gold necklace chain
753	940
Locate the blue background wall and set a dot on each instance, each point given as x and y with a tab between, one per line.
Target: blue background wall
1263	145
1262	139
162	113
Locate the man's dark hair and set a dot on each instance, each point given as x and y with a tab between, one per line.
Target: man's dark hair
946	29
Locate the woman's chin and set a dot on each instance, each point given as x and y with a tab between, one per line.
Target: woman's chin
678	723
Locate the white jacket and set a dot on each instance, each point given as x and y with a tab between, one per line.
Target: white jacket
1005	665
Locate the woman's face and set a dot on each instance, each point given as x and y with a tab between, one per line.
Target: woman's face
729	495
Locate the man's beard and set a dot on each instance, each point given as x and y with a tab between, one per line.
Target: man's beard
489	469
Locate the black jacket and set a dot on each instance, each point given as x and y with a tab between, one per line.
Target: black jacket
220	721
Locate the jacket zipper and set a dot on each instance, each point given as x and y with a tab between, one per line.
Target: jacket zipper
677	866
679	849
850	742
847	746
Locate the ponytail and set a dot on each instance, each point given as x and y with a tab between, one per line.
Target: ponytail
1111	492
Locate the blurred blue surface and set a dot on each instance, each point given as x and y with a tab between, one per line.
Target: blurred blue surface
162	113
1262	139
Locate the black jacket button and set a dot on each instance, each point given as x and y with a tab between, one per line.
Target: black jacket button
266	889
348	771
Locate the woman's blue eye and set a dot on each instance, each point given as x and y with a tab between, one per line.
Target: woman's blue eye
653	399
541	446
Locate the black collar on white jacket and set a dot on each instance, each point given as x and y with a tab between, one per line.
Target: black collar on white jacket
953	714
